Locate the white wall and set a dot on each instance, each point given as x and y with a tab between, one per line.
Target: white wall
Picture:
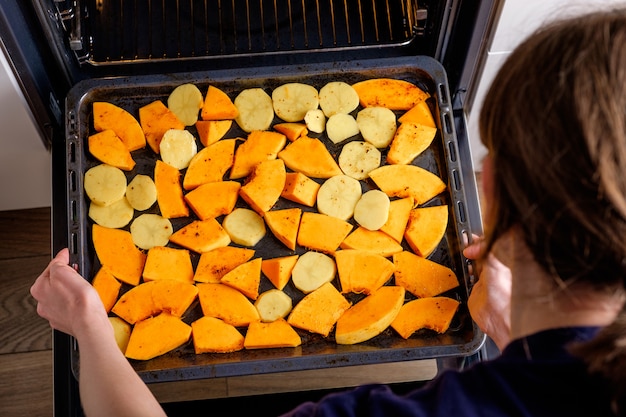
25	165
518	19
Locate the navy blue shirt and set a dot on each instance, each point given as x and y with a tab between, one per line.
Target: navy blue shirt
535	376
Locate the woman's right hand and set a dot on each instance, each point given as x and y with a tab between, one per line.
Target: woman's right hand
489	302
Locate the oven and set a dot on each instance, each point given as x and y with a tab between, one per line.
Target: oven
69	53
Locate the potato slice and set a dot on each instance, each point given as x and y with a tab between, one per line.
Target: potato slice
256	111
422	277
315	121
108	148
245	278
275	334
338	196
185	101
121	330
273	305
390	93
115	215
358	158
377	125
141	192
104	184
292	101
312	270
178	147
338	97
340	127
244	226
409	142
150	230
318	311
370	316
372	210
408	181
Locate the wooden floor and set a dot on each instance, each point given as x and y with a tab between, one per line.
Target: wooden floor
26	345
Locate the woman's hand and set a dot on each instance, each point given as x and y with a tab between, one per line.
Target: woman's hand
490	300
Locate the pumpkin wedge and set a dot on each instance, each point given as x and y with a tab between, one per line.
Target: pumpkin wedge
419	114
391	93
245	277
319	310
108	288
212	335
361	271
425	228
156	336
156	119
373	241
407	181
214	264
278	270
434	313
399	212
153	297
210	164
117	253
201	236
258	147
275	334
300	189
169	191
370	316
163	262
218	106
422	277
108	148
226	303
409	142
126	127
264	185
322	232
284	225
210	131
292	130
310	157
213	199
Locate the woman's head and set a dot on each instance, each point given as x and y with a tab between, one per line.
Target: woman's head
554	123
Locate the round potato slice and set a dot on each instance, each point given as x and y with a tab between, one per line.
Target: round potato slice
292	101
338	195
104	184
377	125
372	210
273	305
115	215
338	97
358	158
244	226
141	192
185	101
178	147
312	270
256	111
315	121
150	230
340	127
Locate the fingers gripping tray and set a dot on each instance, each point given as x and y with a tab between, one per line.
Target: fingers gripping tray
441	158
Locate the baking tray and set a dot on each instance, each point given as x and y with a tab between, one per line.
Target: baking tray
442	158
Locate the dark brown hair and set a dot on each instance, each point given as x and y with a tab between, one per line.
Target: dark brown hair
554	123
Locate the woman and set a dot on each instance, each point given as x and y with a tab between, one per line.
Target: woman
552	264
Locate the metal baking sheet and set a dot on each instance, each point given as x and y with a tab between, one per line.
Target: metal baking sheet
442	158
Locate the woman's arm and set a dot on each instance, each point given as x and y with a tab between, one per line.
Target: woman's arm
109	386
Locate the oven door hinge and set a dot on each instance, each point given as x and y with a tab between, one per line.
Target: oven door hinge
69	16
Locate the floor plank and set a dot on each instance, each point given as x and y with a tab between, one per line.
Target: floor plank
26	384
26	233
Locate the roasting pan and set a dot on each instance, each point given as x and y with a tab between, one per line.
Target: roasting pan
442	158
